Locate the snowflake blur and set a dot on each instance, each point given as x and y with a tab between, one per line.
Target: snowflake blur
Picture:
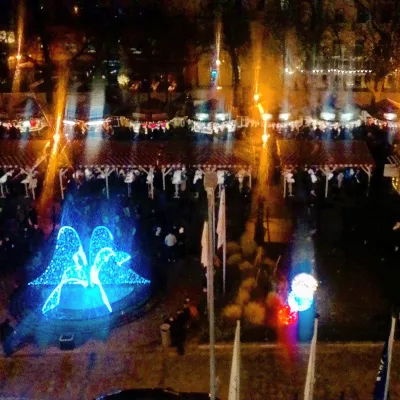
69	267
302	295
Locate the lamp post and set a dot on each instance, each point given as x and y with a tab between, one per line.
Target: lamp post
210	184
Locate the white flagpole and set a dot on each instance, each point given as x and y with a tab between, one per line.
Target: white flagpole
221	231
309	386
390	349
234	384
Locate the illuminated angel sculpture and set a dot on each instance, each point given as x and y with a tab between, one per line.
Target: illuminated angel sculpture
69	266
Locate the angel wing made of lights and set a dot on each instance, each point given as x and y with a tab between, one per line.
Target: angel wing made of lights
70	265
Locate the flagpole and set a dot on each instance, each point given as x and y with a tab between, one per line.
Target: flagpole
390	350
224	264
223	196
234	383
210	183
309	385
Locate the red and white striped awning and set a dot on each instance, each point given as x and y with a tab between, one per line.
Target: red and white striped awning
322	153
157	154
21	153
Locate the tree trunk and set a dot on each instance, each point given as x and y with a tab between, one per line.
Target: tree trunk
235	75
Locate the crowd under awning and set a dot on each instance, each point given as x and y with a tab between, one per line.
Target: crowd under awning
327	156
110	157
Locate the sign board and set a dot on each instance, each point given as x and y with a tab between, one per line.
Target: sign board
391	171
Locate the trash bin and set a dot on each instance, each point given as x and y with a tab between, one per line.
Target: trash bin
165	330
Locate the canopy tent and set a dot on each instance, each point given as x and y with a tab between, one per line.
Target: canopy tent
149	156
21	159
384	110
21	154
157	154
325	155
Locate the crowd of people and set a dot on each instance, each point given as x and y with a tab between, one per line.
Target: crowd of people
21	235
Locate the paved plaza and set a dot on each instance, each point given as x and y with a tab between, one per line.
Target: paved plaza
267	371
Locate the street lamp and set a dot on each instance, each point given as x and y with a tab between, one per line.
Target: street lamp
256	97
210	184
218	62
265	118
18	57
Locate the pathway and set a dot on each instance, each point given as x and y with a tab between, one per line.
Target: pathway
267	372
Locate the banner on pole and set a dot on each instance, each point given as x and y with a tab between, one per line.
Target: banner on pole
204	246
221	226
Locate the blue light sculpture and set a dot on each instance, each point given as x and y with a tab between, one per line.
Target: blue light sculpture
69	266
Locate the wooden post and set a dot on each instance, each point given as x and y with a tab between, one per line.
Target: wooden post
250	178
326	185
60	176
284	183
33	192
107	188
367	170
164	174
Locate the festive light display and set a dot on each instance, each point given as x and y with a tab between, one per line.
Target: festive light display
287	316
302	295
69	266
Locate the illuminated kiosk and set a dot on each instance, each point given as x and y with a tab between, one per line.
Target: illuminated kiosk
74	287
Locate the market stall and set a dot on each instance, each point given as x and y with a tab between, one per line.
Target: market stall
325	156
100	159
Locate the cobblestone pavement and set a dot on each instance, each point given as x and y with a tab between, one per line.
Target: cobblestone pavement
267	372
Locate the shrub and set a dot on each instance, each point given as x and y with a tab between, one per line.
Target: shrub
245	266
243	297
235	259
255	313
233	311
249	283
248	246
232	248
272	300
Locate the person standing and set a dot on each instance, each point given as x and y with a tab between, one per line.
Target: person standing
6	333
170	242
181	321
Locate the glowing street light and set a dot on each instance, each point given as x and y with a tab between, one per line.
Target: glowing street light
218	62
256	97
18	57
76	9
56	138
266	117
